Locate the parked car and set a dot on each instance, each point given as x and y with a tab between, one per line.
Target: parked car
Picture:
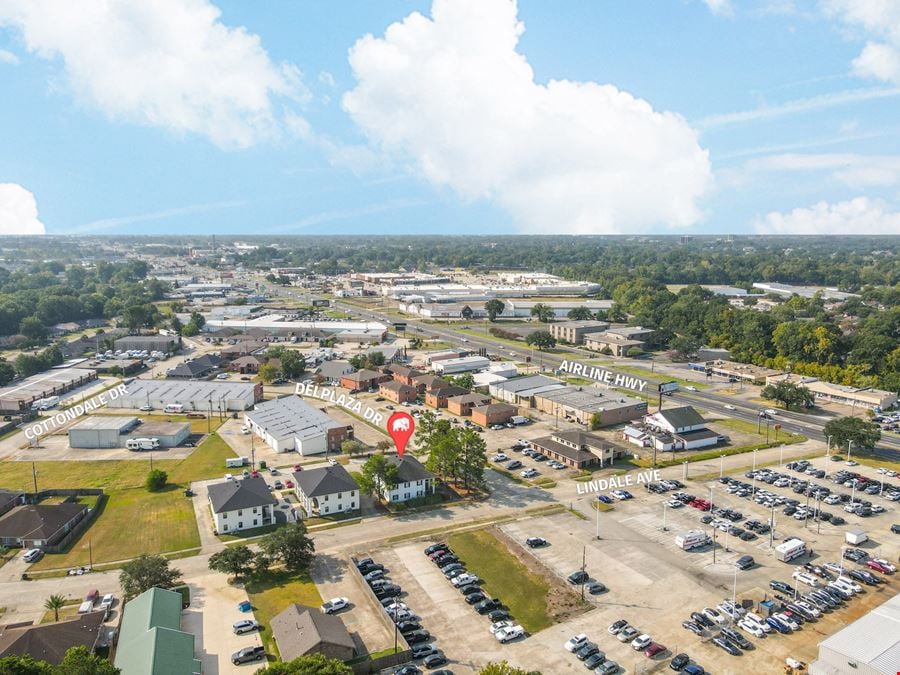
679	662
335	605
578	577
536	542
575	642
616	627
641	642
245	626
724	644
247	654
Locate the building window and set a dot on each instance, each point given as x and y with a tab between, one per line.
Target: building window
326	498
225	528
254	522
352	505
394	497
224	516
240	512
254	509
326	509
353	493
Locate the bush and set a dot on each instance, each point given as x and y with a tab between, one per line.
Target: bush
156	480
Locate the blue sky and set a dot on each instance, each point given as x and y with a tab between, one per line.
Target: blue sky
479	116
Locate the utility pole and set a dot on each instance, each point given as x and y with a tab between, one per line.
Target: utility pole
252	452
34	478
849	445
91	554
721	465
665	505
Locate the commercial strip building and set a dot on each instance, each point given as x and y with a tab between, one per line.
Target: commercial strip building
299	631
151	641
580	404
788	290
734	371
241	504
464	364
218	397
326	490
54	382
520	391
826	392
290	424
578	449
277	324
868	646
101	431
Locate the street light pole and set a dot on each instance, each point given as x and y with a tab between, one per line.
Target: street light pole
849	445
754	457
781	460
597	507
828	449
721	465
665	508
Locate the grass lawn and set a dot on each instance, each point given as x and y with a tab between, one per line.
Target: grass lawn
271	593
68	611
505	577
133	521
659	375
249	533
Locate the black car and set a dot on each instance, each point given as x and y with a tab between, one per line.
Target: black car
474	598
679	662
745	562
408	627
498	615
469	589
781	587
701	620
407	670
837	520
706	519
248	654
445	560
389	591
434	548
418	636
370	567
586	650
894	528
747	536
578	577
595	660
437	659
486	606
735	637
536	542
722	643
364	562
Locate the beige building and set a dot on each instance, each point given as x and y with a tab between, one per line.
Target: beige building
618	340
573	332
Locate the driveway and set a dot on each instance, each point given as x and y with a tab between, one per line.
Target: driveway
209	543
210	617
13	569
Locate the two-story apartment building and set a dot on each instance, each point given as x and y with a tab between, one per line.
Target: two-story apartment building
396	391
241	504
326	490
413	480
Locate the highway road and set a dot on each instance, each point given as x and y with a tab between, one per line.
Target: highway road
793	422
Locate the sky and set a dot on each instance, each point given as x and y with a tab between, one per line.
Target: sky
450	117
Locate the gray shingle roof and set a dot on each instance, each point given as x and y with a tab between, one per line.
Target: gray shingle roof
239	494
326	480
298	630
409	469
40	521
685	416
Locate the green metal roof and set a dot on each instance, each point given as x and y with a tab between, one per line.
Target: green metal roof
151	641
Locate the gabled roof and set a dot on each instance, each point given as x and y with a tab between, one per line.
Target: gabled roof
396	385
496	408
403	371
8	496
447	391
430	381
299	630
49	641
38	521
363	375
326	480
196	367
685	416
467	398
151	641
232	495
409	469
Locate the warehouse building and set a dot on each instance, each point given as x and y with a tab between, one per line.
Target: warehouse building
521	390
868	646
169	434
217	397
465	364
54	382
101	431
580	404
149	343
291	424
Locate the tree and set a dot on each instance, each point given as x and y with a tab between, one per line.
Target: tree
466	313
235	560
544	313
377	474
541	339
267	372
292	364
596	421
135	316
55	603
7	372
81	661
684	346
314	664
789	394
843	430
32	328
502	668
25	665
289	545
156	480
352	447
634	352
581	313
383	446
175	324
472	456
494	308
145	572
465	380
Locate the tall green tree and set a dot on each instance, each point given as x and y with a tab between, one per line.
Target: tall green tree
313	664
541	339
543	312
377	474
234	560
145	572
290	546
81	661
789	394
55	603
502	668
7	372
494	308
472	457
156	480
581	313
844	430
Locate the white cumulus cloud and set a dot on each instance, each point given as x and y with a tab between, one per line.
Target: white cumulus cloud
8	57
720	7
450	96
18	211
879	20
166	63
855	216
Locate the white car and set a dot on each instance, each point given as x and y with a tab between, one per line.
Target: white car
145	408
849	583
464	579
833	567
759	621
506	623
618	494
107	601
830	499
222	376
528	473
674	504
641	642
752	627
793	625
396	607
510	633
714	616
809	607
575	642
499	457
691	387
228	476
805	578
335	605
728	406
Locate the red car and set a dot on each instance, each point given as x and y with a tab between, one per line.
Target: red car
254	473
297	467
289	483
875	565
654	649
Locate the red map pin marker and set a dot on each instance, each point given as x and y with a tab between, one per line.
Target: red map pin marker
401	426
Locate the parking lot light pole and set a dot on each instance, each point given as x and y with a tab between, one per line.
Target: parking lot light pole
721	465
772	527
828	449
781	460
597	508
754	457
665	508
734	595
849	445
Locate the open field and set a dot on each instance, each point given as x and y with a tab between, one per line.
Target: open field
274	591
504	577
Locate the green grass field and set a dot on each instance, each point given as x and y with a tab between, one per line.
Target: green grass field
271	593
505	577
134	521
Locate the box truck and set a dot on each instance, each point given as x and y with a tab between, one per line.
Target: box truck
856	536
691	539
234	462
790	549
518	420
173	408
